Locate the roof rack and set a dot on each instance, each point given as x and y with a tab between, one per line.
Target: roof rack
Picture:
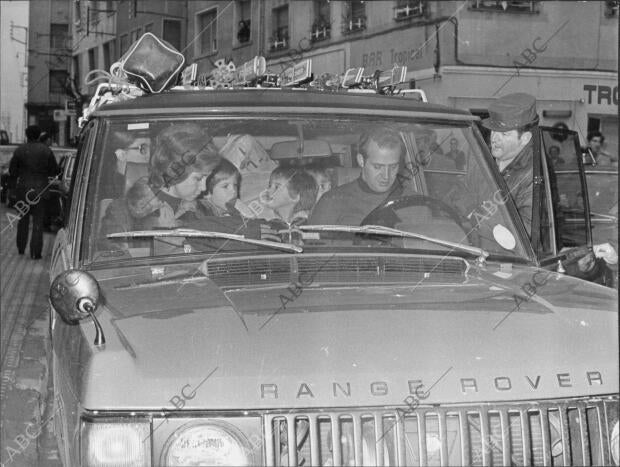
253	74
109	92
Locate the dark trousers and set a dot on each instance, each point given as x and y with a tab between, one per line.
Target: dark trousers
37	212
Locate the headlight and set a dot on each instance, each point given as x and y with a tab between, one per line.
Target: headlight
113	444
614	443
210	443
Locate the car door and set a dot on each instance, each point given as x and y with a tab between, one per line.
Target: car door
561	221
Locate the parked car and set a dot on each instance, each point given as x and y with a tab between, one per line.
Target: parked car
4	137
6	153
433	332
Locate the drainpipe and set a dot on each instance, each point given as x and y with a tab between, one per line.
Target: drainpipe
261	28
437	64
187	31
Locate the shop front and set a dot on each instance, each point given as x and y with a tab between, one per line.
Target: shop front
583	100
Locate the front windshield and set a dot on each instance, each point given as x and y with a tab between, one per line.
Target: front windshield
264	178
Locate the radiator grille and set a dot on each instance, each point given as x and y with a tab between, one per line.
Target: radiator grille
566	433
338	268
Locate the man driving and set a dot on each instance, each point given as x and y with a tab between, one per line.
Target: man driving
379	155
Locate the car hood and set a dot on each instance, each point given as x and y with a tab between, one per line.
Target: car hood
485	339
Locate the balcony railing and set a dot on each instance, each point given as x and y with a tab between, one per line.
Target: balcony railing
353	24
514	6
320	32
278	43
409	10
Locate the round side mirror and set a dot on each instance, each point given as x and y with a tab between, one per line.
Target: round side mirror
74	295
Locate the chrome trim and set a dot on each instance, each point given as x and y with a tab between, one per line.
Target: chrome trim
345	436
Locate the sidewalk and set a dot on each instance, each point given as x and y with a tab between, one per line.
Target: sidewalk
26	427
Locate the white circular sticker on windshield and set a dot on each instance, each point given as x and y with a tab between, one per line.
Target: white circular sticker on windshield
504	237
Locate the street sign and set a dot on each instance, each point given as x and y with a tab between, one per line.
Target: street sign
70	106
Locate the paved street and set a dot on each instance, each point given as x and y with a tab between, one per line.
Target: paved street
26	424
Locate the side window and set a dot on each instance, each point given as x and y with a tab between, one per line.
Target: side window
70	206
567	187
79	188
544	185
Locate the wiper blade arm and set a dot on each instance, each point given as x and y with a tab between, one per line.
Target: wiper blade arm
381	230
193	233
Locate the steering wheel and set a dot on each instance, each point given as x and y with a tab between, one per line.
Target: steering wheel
385	213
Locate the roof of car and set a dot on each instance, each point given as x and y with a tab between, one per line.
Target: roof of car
276	100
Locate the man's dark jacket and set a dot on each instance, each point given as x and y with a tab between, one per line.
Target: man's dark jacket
519	176
30	167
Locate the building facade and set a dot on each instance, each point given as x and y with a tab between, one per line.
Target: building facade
462	53
14	66
49	65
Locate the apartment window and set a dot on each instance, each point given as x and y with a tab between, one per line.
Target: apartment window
92	59
93	14
58	79
59	33
279	35
321	26
124	46
135	35
76	71
244	15
207	31
108	54
406	9
355	16
77	15
133	8
172	32
611	8
514	6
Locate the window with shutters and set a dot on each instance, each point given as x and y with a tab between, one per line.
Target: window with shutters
355	16
514	6
207	31
321	26
280	33
243	15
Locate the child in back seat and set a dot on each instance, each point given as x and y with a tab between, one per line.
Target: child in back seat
322	179
222	190
292	193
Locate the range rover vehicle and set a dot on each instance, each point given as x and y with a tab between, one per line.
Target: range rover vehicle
433	332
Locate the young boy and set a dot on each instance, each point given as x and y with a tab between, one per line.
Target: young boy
291	194
321	177
222	190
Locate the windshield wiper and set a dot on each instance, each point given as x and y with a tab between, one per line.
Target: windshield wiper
381	230
205	234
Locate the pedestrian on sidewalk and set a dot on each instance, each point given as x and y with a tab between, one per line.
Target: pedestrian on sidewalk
32	164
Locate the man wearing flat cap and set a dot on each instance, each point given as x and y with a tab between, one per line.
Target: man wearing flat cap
513	122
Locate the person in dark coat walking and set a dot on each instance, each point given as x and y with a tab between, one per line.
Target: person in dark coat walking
31	165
